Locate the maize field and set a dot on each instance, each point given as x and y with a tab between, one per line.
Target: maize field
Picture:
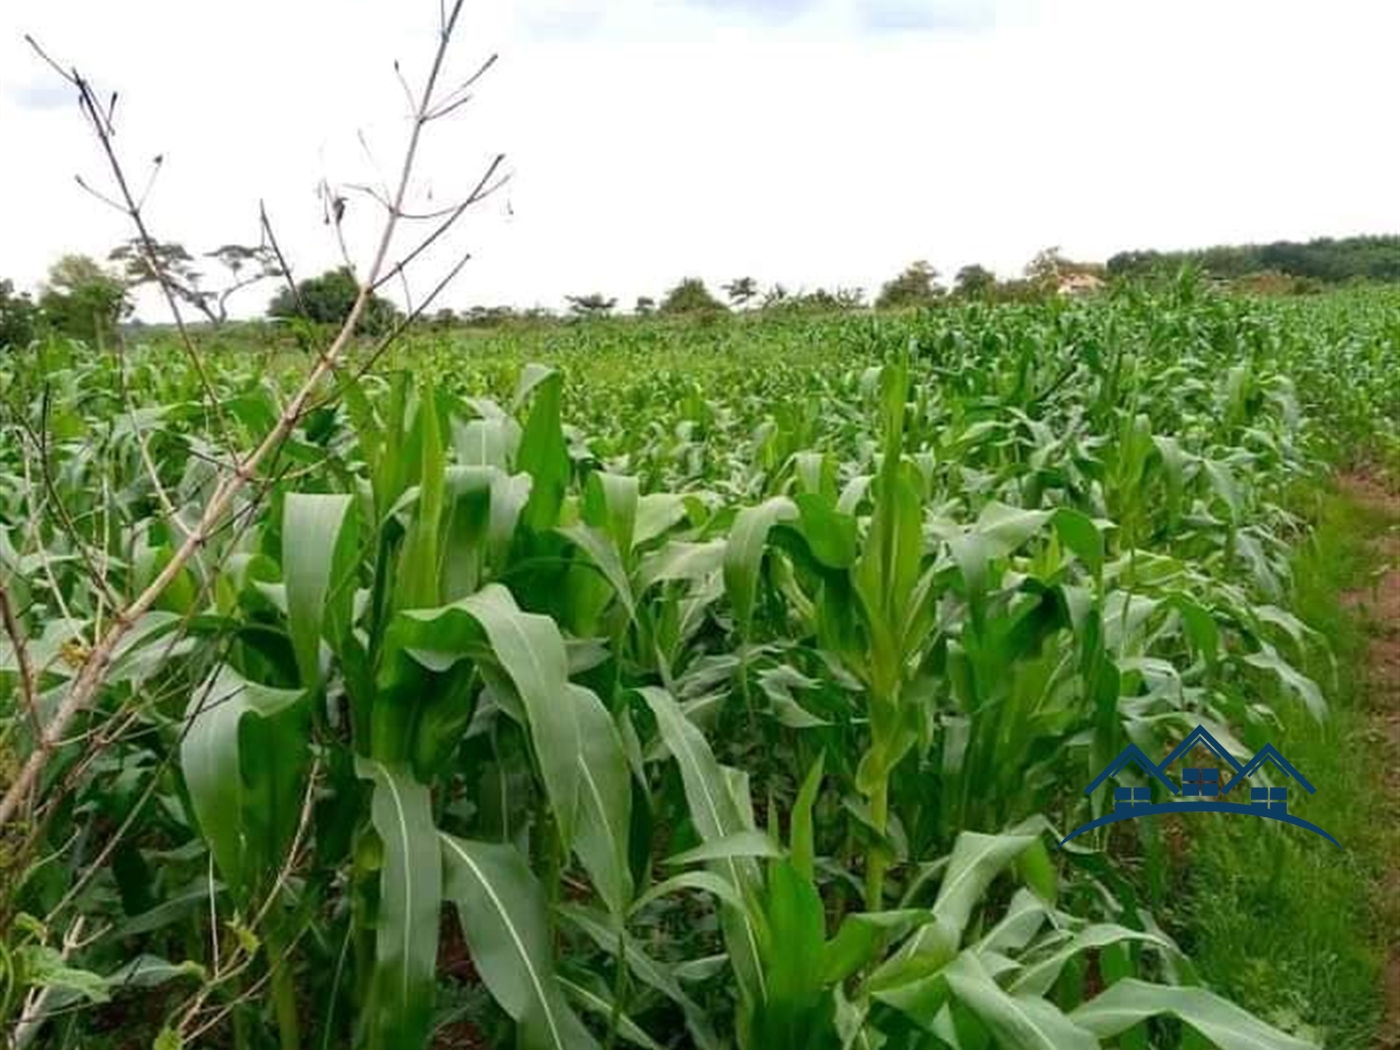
656	684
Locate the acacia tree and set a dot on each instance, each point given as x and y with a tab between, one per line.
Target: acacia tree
172	265
595	304
740	291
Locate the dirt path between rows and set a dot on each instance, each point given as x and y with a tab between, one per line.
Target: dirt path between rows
1378	605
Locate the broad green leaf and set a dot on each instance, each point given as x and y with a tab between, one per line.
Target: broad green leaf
743	554
1224	1024
680	561
417	582
530	651
1039	977
1078	532
216	771
739	844
318	550
716	815
600	549
704	881
410	902
543	454
802	835
976	860
1303	687
503	914
601	1005
605	800
1017	1022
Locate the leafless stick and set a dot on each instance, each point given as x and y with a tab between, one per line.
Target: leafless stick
28	681
93	673
102	126
271	238
478	194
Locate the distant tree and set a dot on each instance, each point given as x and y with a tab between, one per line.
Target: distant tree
19	317
917	285
328	299
646	306
591	305
823	301
82	300
849	298
689	297
1045	266
444	318
974	282
488	316
740	291
775	296
244	266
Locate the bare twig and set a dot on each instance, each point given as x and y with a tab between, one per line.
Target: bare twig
92	675
28	681
101	123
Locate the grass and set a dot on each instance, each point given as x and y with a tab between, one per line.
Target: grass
1277	921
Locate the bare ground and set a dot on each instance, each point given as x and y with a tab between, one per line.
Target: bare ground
1378	605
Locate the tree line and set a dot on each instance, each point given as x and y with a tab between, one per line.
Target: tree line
1326	260
88	300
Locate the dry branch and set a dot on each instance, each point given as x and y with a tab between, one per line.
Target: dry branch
93	672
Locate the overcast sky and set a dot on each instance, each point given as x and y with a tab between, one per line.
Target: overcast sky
813	142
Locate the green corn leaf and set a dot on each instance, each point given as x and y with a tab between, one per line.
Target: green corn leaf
530	651
657	512
599	1003
543	454
1078	532
1130	1001
502	911
1039	977
216	771
410	900
485	442
803	837
417	582
1299	684
610	504
976	860
318	555
862	934
605	800
797	1010
704	881
743	554
1016	1022
680	561
716	815
601	551
739	844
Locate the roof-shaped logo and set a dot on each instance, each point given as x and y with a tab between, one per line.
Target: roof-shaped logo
1202	788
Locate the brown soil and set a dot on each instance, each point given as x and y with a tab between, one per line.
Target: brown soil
1378	605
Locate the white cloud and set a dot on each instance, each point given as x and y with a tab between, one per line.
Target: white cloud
807	141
